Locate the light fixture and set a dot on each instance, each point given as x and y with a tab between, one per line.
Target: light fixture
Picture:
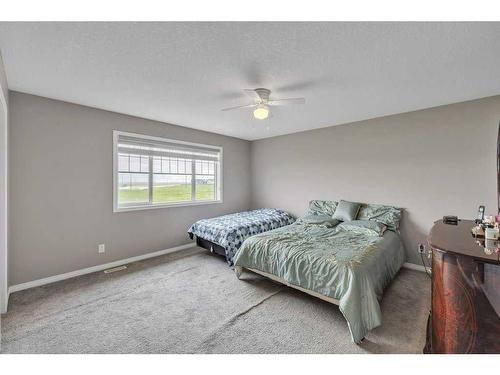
261	112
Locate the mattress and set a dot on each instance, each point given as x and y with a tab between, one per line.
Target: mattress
230	231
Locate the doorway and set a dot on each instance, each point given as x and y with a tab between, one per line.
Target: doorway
3	204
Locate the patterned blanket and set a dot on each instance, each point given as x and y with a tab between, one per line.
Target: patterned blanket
229	231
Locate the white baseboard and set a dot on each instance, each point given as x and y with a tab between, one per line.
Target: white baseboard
100	267
415	267
5	303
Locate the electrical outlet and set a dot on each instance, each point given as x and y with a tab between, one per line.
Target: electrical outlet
101	248
421	248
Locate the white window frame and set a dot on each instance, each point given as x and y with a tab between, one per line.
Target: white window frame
149	206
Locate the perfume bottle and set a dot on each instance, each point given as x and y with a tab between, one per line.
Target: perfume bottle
491	233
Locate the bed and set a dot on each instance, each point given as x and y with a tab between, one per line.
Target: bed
225	234
348	269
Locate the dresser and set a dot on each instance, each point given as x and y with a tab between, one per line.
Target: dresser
465	312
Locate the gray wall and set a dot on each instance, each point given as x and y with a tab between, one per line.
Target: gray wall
4	109
3	80
61	189
434	162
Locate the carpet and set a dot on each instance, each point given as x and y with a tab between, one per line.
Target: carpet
191	302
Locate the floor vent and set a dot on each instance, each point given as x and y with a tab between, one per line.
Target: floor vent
116	269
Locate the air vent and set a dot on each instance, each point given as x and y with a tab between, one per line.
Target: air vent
116	269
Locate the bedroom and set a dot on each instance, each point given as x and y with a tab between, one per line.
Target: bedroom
296	189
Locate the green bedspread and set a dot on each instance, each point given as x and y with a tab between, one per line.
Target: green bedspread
349	267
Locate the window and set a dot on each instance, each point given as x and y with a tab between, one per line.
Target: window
152	172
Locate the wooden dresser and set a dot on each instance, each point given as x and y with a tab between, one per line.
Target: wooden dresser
465	316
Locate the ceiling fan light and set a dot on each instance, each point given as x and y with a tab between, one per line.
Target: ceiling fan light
261	112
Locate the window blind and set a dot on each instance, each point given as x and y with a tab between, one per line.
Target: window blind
150	147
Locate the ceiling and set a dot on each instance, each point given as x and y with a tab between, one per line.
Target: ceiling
185	73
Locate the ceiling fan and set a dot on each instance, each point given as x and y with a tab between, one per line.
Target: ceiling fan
263	102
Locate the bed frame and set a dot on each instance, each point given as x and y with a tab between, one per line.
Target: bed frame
210	246
239	271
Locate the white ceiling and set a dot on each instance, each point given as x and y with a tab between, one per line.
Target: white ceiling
184	73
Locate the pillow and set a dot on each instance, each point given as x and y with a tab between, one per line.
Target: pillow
318	207
387	215
325	220
346	211
365	227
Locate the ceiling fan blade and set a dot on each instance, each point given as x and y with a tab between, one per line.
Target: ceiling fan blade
287	101
251	93
240	106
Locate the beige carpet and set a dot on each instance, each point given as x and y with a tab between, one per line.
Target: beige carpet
191	302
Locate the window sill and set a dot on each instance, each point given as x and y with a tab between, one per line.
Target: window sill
169	205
